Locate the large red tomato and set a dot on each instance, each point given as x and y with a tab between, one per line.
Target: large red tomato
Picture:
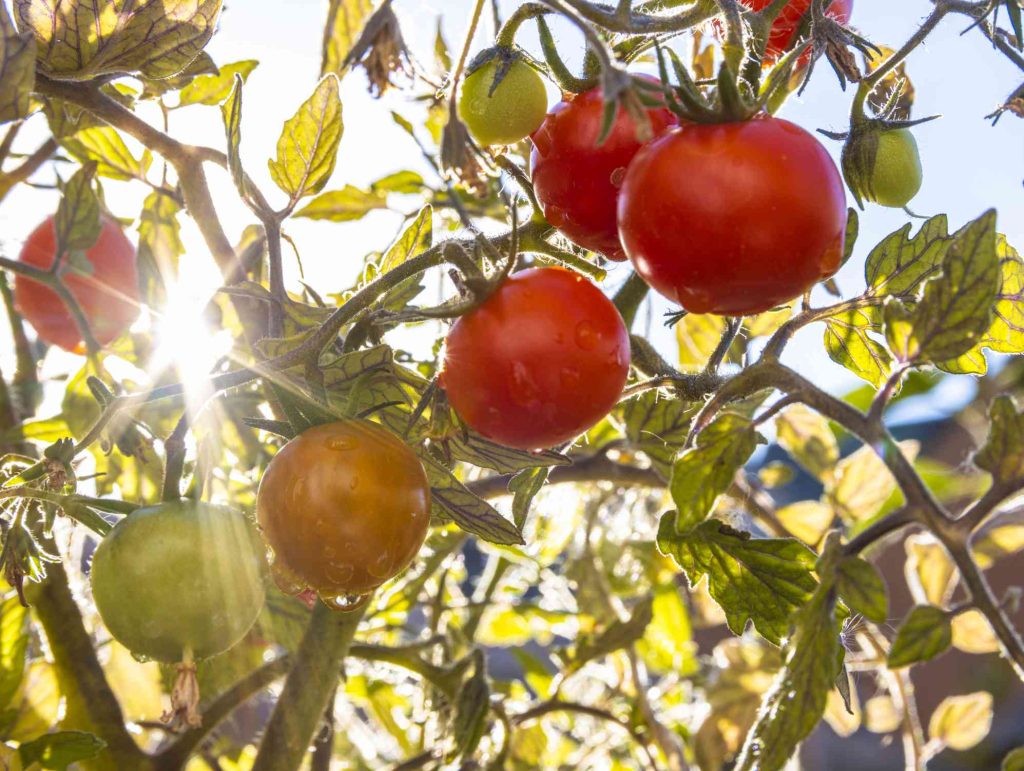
576	180
539	362
733	218
786	24
107	290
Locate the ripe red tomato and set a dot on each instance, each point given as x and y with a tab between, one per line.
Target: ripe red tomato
345	507
786	24
109	295
575	179
539	362
733	218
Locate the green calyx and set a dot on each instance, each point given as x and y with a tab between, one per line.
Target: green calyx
882	165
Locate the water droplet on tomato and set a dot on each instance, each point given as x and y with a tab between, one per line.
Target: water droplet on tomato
287	581
342	443
353	483
524	389
339	572
569	377
344	602
380	567
587	336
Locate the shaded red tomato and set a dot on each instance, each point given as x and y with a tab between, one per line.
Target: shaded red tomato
539	362
345	507
786	24
576	180
733	218
108	295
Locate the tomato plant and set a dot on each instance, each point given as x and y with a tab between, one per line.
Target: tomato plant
576	177
733	218
539	362
344	507
506	111
102	280
179	580
522	515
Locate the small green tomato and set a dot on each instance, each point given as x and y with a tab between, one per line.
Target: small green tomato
508	114
179	580
883	167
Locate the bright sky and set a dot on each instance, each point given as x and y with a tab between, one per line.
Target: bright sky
969	166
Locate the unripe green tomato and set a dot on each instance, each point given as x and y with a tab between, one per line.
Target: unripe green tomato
512	112
179	577
884	167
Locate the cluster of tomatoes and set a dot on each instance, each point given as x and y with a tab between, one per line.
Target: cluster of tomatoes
727	218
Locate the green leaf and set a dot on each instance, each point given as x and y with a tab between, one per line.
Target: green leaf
849	343
160	247
657	426
231	112
349	203
899	265
77	223
484	453
308	147
524	487
80	41
215	88
795	703
961	722
415	239
807	437
1003	452
924	634
471	710
14	634
852	231
955	309
863	589
105	146
345	20
452	501
17	69
702	473
616	636
407	182
59	750
763	580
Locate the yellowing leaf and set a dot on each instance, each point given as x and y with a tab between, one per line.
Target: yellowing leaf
213	89
881	715
929	571
345	20
973	634
349	203
105	146
996	540
79	41
837	716
960	722
862	483
806	436
37	703
1003	453
807	520
136	685
17	69
698	335
308	147
849	342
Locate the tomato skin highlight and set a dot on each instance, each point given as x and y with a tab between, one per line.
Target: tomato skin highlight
786	24
179	575
734	218
576	180
345	507
511	113
109	297
542	360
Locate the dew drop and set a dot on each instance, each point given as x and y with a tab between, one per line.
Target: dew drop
286	580
344	602
380	567
353	483
569	377
342	443
524	390
339	572
587	336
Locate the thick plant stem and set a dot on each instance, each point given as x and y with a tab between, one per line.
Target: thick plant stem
310	684
91	705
